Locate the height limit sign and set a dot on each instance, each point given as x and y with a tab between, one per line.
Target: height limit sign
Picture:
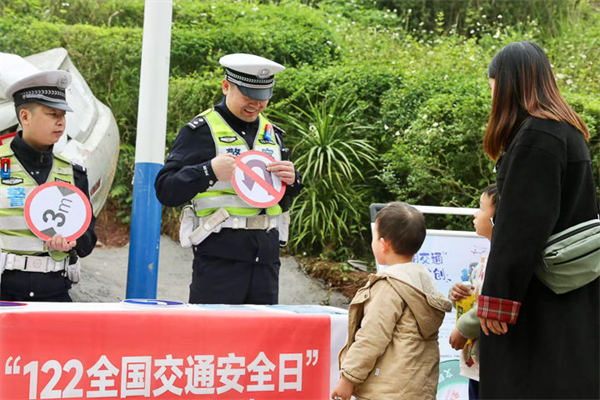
58	208
253	183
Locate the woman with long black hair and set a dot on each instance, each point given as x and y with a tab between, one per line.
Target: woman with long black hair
536	344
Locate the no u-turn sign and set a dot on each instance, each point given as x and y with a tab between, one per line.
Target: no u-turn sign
253	183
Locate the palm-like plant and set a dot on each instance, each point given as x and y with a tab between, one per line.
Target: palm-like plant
332	162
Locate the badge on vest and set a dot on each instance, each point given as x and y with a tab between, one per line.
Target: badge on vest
5	168
228	139
263	141
12	181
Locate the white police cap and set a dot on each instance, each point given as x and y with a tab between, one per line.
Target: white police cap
46	87
253	75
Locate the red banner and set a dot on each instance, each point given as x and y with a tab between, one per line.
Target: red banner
164	354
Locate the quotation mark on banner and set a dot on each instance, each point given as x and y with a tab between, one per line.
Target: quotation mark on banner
9	370
309	355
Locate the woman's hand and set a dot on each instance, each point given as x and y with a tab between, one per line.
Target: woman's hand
493	325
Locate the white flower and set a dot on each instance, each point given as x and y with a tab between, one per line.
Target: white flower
569	82
497	34
435	124
386	127
255	8
397	133
499	16
583	56
409	11
472	58
424	116
560	76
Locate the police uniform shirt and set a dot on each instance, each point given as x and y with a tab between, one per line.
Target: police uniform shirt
38	165
188	171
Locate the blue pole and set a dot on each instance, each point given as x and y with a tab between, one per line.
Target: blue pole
142	272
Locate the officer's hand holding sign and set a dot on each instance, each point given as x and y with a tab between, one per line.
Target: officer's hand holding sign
284	170
223	166
58	242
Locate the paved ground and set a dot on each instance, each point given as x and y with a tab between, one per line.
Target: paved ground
104	278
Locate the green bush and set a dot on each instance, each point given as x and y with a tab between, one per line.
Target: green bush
468	17
329	214
439	122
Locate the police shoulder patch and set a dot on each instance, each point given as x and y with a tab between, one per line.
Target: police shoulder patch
78	167
196	122
12	181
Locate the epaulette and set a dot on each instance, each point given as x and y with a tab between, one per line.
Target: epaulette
278	130
78	167
197	122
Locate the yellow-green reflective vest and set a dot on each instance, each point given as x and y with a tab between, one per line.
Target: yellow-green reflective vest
222	194
15	235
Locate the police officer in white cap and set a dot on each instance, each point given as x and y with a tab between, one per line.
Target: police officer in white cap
236	246
33	269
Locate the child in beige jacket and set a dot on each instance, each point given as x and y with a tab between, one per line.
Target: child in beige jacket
392	349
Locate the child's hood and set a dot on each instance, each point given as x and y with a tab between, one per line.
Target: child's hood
417	288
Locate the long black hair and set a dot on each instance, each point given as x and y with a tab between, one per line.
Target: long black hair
524	86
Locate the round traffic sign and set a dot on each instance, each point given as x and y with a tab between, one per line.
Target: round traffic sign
58	208
253	183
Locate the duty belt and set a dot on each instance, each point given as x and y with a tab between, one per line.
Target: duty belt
261	222
31	263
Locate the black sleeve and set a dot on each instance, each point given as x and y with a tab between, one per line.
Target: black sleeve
527	212
188	169
87	241
294	189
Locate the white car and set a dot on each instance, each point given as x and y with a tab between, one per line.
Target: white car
92	135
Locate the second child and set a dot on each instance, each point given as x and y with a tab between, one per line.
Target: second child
392	350
468	324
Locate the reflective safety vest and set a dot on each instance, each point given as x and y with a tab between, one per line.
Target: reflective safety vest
15	235
227	141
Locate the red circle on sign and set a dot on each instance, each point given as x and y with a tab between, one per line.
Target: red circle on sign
79	192
275	194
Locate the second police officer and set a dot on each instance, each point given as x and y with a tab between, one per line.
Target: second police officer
236	246
34	269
